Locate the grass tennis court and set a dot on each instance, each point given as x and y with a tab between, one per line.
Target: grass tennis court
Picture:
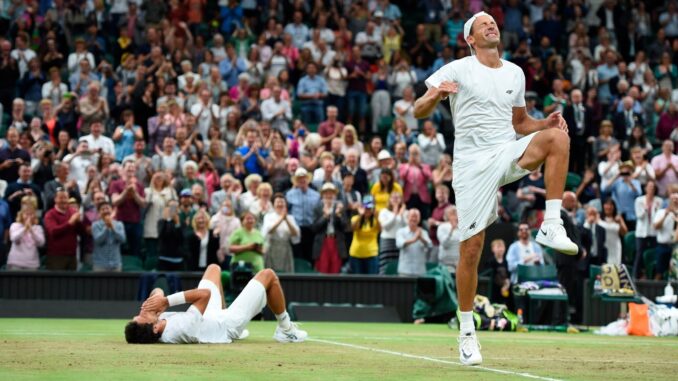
67	349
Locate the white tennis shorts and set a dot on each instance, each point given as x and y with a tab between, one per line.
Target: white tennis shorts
235	318
477	181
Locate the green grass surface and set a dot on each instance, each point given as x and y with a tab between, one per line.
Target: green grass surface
53	349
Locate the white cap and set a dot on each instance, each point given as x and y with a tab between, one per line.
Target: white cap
378	14
383	155
328	187
301	172
467	28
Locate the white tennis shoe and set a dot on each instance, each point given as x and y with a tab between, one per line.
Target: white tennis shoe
552	234
290	335
469	349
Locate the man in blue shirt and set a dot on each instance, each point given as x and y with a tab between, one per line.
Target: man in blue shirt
108	236
311	90
254	157
231	66
624	191
301	201
606	72
298	30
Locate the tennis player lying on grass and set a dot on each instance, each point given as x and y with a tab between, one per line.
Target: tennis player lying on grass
208	320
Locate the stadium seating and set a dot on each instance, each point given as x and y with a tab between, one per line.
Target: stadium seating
537	273
629	248
132	263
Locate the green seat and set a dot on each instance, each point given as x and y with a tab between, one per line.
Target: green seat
150	263
391	268
650	260
594	271
132	263
312	127
655	152
572	182
384	125
629	248
537	273
86	267
303	266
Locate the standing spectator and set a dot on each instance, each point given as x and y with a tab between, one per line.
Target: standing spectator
642	169
143	163
205	112
624	191
666	168
54	89
78	163
247	244
262	203
606	72
280	231
336	76
330	128
79	55
202	243
12	156
93	107
579	119
298	30
301	201
311	90
245	200
128	197
100	143
108	235
277	111
224	222
646	207
615	229
391	219
432	144
360	181
414	244
22	53
449	237
442	194
226	183
609	170
557	100
404	108
358	76
524	251
415	176
26	236
369	160
364	247
125	135
63	225
329	226
168	159
170	239
253	154
501	281
81	80
158	194
665	222
23	187
383	189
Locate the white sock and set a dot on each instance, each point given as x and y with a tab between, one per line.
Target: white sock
553	209
466	323
284	320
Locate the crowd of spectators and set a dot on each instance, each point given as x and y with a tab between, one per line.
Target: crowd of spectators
191	132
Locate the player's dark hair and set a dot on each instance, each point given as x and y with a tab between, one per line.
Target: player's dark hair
136	333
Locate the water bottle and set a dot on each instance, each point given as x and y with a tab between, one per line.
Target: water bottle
520	316
597	286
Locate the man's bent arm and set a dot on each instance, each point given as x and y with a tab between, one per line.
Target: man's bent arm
424	106
524	124
198	297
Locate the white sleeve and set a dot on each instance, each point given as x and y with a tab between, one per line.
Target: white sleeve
294	239
519	100
445	73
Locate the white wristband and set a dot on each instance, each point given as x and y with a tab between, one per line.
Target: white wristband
176	299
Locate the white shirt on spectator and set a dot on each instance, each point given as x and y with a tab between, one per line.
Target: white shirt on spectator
644	223
410	120
22	57
75	58
390	223
270	108
665	233
517	255
450	241
102	142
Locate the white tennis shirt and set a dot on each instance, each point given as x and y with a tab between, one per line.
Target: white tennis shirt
482	109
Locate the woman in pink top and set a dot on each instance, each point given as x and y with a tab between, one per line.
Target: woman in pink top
26	235
415	177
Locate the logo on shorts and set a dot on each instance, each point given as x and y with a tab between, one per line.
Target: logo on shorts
473	226
509	92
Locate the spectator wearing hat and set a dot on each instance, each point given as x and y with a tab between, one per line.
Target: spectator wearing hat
108	235
432	144
329	227
364	247
301	201
311	91
624	190
280	231
414	244
384	161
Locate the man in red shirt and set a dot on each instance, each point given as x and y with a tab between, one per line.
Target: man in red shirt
63	225
331	128
127	195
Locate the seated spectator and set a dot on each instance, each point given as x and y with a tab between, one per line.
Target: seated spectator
247	243
501	282
414	244
202	243
391	219
524	251
280	231
170	239
26	236
666	223
63	225
666	168
108	235
364	247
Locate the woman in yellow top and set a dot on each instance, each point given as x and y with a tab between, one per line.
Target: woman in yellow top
382	190
392	42
364	247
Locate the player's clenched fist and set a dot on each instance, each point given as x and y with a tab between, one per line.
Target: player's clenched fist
446	88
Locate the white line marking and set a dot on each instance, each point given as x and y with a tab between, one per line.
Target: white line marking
431	359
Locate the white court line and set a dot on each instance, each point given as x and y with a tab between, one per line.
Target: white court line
432	359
